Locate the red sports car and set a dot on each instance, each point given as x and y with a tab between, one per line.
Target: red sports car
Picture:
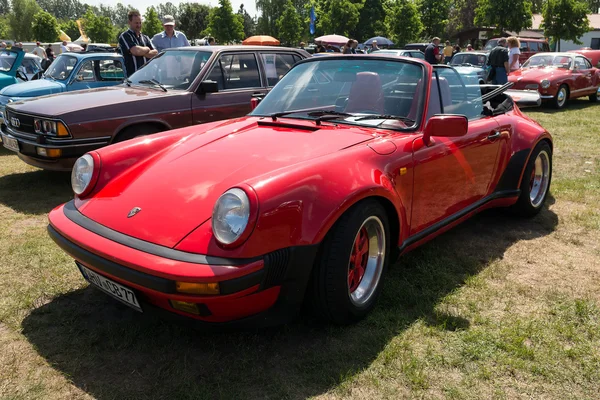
558	77
348	162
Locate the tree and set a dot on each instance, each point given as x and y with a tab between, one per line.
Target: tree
63	9
372	21
513	15
4	28
403	22
434	16
461	16
4	7
565	19
224	25
338	16
119	17
594	6
167	9
152	24
97	28
289	25
193	19
247	21
21	19
45	27
71	29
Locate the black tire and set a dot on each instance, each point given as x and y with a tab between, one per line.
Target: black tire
136	131
561	98
331	298
594	97
525	206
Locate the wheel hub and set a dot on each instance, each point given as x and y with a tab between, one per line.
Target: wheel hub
358	260
540	179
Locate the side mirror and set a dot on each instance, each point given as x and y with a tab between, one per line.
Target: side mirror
209	87
445	126
255	100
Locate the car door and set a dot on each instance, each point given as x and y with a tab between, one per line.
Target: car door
583	76
276	64
83	76
108	72
239	78
453	173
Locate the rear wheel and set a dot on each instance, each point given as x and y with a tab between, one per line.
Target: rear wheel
561	96
136	131
347	277
536	181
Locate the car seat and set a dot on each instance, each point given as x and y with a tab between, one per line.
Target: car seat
366	94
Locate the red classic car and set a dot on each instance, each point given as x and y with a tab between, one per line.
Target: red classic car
348	162
558	77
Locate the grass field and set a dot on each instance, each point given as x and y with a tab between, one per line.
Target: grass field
498	308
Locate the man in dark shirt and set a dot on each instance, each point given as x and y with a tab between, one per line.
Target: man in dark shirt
432	52
134	45
498	59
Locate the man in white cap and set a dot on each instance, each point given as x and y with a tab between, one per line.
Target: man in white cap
169	37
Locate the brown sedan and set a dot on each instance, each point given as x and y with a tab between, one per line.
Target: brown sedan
178	88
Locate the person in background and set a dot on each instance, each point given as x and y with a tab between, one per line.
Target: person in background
19	45
347	48
2	45
456	49
354	47
169	37
513	53
50	53
469	47
210	41
329	49
498	59
302	45
63	47
448	52
39	51
432	52
374	47
135	47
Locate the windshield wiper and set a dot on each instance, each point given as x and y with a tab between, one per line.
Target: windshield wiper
309	111
127	81
154	82
385	116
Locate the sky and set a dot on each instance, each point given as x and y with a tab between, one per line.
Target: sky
249	5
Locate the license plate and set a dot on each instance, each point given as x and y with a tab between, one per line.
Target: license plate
10	143
116	290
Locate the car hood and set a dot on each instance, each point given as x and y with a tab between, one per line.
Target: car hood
177	188
468	70
39	87
536	74
79	100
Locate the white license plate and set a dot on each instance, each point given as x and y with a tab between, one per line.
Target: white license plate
10	143
114	289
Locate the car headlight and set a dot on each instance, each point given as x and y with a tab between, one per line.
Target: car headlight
545	83
230	216
54	128
82	174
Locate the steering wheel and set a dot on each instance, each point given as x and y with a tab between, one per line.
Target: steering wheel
21	75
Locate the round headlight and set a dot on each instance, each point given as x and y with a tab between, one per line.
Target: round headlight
230	216
82	173
545	83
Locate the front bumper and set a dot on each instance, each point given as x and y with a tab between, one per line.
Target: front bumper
265	290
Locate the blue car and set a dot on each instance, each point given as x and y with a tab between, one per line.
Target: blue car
17	66
471	65
69	72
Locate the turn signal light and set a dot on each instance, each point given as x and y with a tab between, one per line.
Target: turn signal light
185	306
197	288
61	130
48	152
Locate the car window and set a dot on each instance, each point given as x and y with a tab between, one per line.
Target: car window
110	70
534	46
276	65
417	54
7	59
173	69
236	71
61	68
30	66
524	46
451	95
581	63
86	72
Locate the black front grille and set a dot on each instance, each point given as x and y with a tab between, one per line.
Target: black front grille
276	264
25	123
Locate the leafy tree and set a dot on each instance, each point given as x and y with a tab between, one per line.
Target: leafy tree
98	29
434	16
289	25
120	11
63	9
152	24
270	11
594	6
461	16
167	9
403	22
21	19
224	24
248	22
45	27
193	19
4	7
70	28
513	15
372	21
4	28
338	16
565	19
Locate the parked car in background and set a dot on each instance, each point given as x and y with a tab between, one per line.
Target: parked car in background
471	64
558	77
69	72
421	47
179	87
403	53
528	47
592	55
17	66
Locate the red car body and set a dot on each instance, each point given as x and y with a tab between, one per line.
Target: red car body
302	177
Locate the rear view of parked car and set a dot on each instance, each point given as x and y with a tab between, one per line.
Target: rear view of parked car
528	47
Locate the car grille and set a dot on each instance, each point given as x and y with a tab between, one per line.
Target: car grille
25	122
276	265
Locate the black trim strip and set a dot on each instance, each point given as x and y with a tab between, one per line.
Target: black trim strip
140	278
72	213
454	217
287	125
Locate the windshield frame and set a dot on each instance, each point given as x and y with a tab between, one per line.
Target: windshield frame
469	53
13	55
526	64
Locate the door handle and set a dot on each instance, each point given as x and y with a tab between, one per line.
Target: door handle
494	135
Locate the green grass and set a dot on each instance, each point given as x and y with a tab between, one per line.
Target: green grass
497	308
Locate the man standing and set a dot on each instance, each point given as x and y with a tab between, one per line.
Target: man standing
432	52
135	47
448	50
498	59
169	37
39	51
374	47
50	52
63	47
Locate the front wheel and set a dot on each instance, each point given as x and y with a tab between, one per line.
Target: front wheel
561	97
535	184
347	277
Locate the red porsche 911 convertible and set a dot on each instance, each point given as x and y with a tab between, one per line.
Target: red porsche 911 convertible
347	163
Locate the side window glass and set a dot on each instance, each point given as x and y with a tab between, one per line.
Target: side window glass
580	63
110	70
29	66
276	66
588	64
524	46
86	72
216	75
451	94
239	71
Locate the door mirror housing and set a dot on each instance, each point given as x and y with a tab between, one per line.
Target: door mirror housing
209	87
445	126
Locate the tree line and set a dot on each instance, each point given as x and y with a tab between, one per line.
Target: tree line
402	21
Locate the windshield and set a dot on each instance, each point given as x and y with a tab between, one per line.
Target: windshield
7	59
173	69
61	68
548	60
476	60
491	44
352	86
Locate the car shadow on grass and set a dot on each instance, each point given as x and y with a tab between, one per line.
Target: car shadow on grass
35	192
575	104
110	351
5	152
